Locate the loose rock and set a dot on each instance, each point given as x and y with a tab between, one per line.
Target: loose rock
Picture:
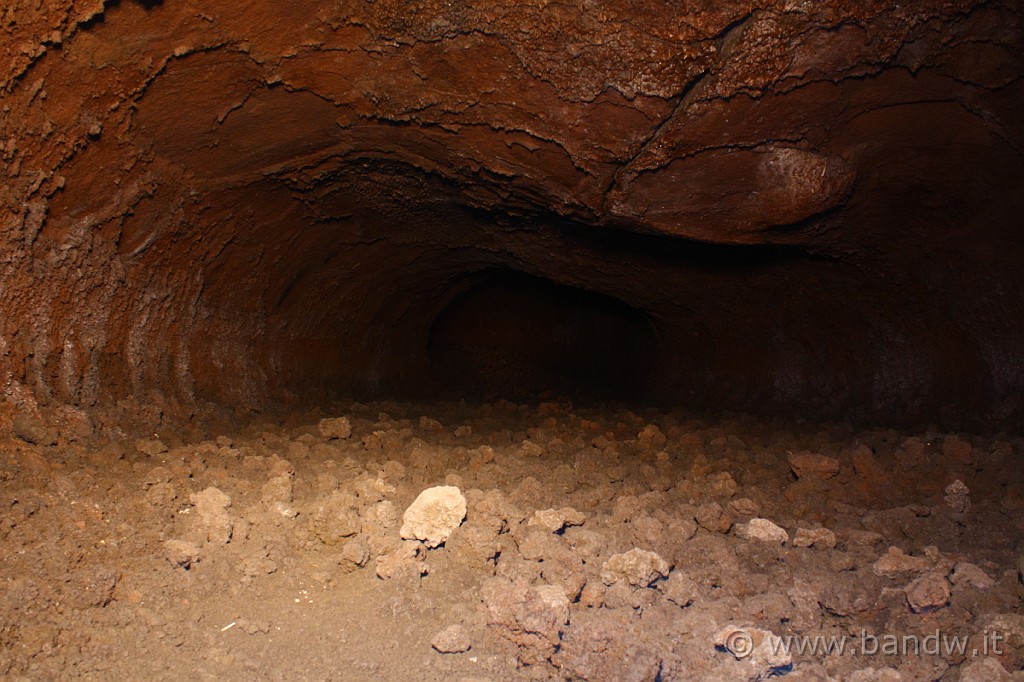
745	506
355	553
809	464
336	428
30	429
814	537
927	593
958	497
764	531
759	652
713	518
152	447
987	670
404	562
971	575
430	424
554	520
637	567
211	507
680	589
434	515
531	617
452	640
473	544
895	563
181	553
651	437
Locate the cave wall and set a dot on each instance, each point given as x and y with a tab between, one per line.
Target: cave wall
815	204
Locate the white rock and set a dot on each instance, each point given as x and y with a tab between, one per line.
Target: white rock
765	531
637	567
554	520
434	515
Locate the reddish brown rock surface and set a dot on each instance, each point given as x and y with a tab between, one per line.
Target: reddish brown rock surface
809	206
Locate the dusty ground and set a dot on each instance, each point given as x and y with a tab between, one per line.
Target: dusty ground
275	551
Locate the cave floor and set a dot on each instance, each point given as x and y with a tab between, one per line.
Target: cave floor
597	545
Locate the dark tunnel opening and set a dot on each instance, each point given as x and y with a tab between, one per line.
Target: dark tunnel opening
521	337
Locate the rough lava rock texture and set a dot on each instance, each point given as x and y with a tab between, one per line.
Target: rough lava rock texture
764	530
809	206
434	514
636	567
176	561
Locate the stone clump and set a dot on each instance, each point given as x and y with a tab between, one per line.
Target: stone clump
434	514
575	563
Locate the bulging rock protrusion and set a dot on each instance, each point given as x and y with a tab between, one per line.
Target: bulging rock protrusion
796	184
748	192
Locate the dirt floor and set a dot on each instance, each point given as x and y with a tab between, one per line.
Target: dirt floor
592	545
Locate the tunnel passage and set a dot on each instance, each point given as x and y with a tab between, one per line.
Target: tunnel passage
254	206
518	337
253	253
